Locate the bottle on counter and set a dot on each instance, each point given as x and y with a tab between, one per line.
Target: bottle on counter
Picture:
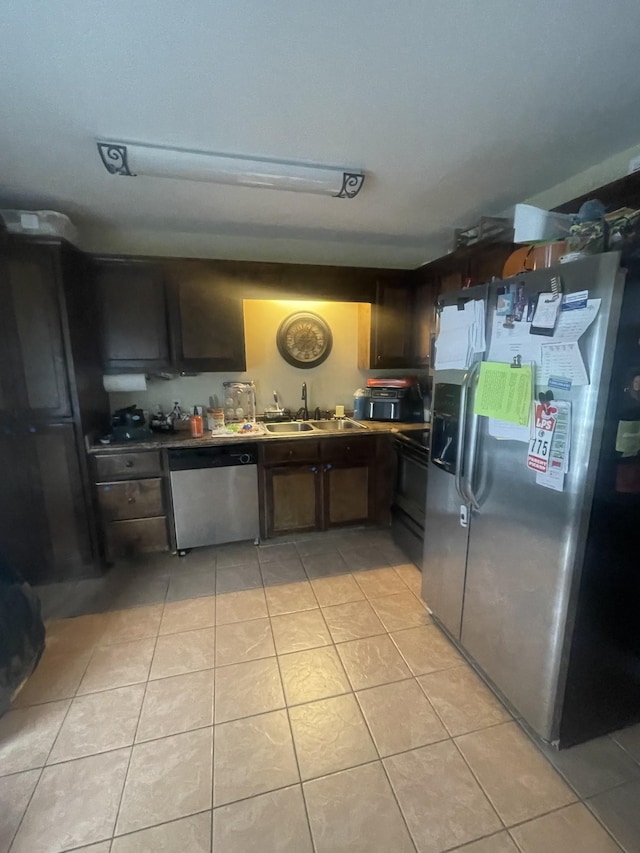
196	424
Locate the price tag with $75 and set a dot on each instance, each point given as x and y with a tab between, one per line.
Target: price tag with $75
540	443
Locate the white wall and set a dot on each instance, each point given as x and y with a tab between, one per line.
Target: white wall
332	383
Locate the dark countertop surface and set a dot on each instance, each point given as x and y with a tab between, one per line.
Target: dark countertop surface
182	438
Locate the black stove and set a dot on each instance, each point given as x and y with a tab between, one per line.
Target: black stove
417	437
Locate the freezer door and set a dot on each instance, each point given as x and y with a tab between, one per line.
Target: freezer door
445	550
526	541
445	537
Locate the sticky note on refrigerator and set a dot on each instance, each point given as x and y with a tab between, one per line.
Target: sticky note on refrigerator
504	392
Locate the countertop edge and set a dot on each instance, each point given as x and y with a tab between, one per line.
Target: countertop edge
166	442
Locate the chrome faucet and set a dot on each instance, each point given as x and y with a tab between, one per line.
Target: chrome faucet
305	410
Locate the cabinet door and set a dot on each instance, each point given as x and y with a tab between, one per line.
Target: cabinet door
45	522
207	321
293	496
34	336
20	531
349	494
424	321
393	320
133	306
65	515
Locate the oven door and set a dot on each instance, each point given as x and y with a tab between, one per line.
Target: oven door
410	492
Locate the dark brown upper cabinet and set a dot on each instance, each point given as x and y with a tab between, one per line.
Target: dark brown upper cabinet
385	333
168	315
206	318
33	367
133	307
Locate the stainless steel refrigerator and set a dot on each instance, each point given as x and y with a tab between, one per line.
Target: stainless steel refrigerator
535	584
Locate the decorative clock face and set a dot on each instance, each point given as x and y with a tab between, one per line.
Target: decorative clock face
304	339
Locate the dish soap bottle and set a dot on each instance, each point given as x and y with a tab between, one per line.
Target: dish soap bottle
196	424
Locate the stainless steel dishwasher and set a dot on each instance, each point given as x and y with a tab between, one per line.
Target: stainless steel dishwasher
215	494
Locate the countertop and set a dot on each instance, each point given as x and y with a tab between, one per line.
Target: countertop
183	438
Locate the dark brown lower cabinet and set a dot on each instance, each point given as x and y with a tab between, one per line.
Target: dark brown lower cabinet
347	495
293	499
335	486
132	507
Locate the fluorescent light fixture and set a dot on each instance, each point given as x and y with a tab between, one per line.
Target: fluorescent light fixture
124	158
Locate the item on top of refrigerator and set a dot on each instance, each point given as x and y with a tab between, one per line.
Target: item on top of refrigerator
534	224
489	229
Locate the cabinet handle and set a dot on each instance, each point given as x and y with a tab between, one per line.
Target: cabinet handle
131	500
291	453
314	469
329	467
128	464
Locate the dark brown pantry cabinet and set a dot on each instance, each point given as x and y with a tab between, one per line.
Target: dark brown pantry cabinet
50	394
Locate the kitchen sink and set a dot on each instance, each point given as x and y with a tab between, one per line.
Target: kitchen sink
291	427
337	425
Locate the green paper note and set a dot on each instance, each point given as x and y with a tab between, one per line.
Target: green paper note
504	392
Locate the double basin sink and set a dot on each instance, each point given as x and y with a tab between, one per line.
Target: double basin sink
295	427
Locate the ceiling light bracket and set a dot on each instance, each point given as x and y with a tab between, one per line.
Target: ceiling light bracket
351	185
114	158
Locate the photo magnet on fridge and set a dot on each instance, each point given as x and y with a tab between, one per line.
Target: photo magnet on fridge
505	304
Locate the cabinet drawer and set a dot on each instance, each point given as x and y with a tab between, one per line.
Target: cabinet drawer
136	536
305	450
130	499
348	449
127	465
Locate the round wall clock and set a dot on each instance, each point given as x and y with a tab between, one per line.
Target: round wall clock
304	339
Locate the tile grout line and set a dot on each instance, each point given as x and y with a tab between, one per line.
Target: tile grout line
581	799
42	769
293	742
144	695
44	766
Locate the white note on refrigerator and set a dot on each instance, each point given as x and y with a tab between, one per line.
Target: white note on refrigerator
565	360
461	335
504	431
573	324
511	340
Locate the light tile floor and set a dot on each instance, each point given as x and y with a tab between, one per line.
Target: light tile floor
294	697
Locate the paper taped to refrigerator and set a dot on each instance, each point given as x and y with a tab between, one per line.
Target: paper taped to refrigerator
573	324
562	359
504	392
504	431
461	335
509	341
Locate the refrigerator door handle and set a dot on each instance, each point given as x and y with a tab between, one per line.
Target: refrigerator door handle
462	425
473	444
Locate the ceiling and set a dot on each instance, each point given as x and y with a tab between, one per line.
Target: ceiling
452	108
